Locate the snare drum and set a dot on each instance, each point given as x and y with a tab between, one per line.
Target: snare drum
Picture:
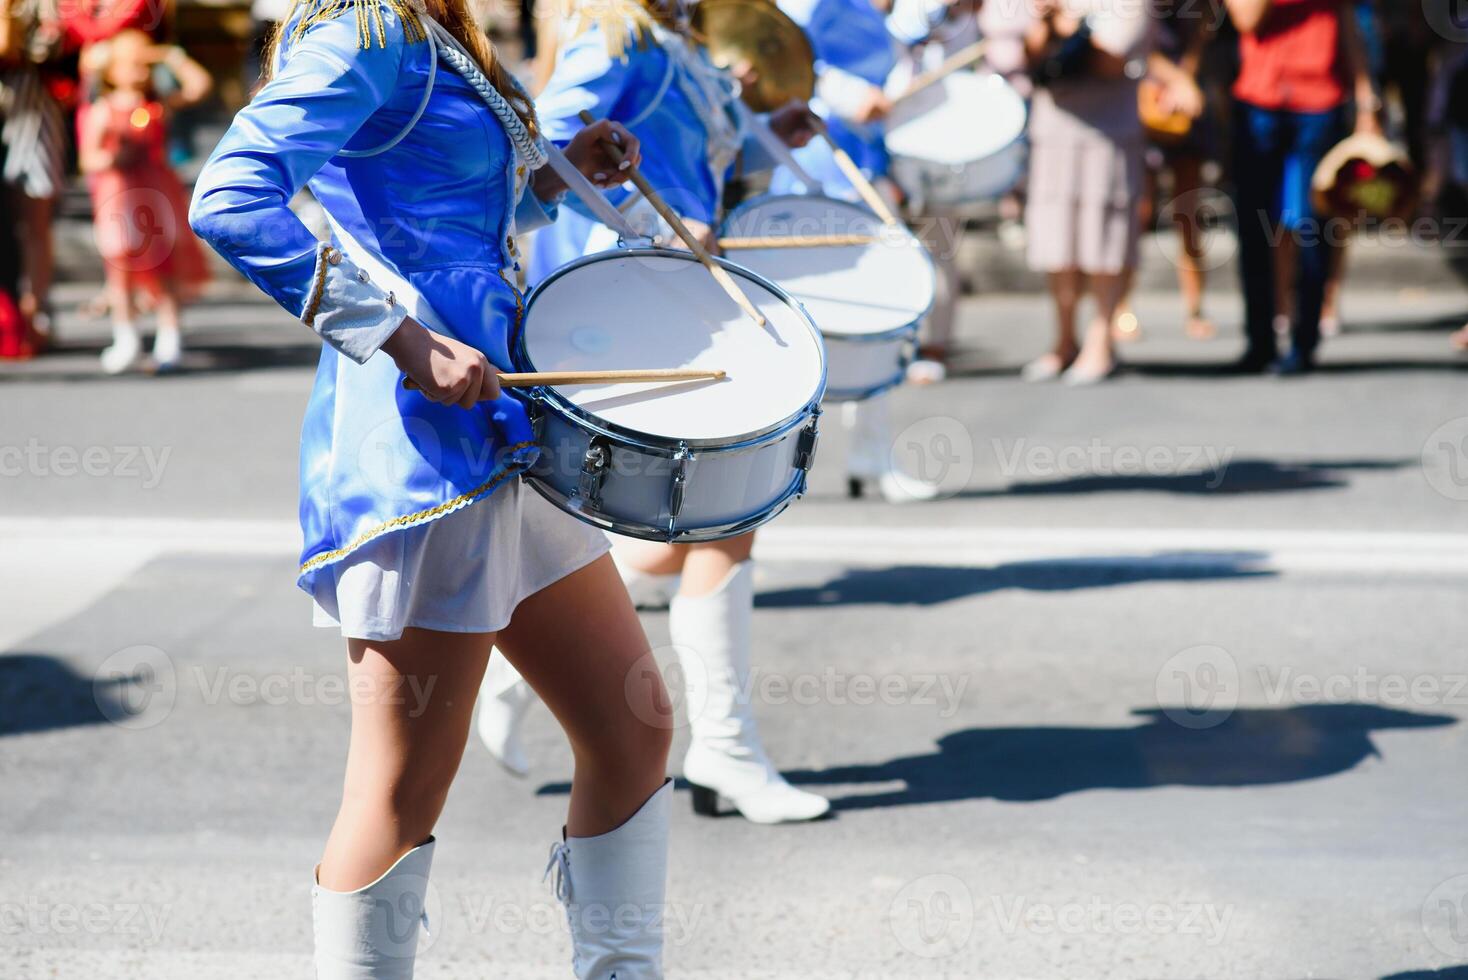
866	299
959	141
686	461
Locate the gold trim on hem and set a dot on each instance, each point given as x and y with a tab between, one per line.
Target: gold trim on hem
429	513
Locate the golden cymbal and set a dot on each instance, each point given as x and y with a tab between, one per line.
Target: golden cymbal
773	45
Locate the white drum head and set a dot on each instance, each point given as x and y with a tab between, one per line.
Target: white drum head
847	289
962	119
654	309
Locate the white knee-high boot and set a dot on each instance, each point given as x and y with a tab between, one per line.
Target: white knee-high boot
372	933
711	634
870	455
504	699
613	886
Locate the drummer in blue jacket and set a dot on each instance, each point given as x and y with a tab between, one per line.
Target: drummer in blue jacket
420	542
637	65
856	53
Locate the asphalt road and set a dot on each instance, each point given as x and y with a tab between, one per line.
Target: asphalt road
1171	685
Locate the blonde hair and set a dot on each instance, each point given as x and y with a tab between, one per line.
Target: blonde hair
452	14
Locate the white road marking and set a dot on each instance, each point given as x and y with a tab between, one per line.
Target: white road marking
1379	552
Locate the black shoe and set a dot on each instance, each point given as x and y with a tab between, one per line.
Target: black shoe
1292	364
1253	362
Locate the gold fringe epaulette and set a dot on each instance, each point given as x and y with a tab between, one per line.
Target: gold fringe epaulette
370	25
619	20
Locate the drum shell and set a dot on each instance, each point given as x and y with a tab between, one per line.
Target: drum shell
727	490
942	185
723	487
987	155
859	366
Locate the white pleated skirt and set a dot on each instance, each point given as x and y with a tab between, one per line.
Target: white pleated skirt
462	573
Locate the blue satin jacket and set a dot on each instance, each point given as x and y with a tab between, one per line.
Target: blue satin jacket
423	191
643	93
852	45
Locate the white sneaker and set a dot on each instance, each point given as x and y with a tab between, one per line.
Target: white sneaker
167	349
125	353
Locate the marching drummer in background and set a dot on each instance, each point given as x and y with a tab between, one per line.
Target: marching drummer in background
635	64
855	56
929	31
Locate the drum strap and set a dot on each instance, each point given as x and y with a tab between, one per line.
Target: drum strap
777	148
589	195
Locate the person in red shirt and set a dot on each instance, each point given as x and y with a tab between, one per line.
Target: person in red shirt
1299	60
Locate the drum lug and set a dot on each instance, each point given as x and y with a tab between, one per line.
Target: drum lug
805	447
678	486
593	473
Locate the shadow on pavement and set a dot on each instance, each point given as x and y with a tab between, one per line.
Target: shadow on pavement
76	361
40	693
929	585
1250	747
1238	477
1446	973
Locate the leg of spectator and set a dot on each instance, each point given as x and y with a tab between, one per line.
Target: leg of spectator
1258	170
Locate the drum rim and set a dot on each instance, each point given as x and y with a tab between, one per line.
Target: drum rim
836	334
652	532
667	445
990	79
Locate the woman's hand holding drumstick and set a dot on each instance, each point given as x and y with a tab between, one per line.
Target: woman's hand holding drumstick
720	274
447	371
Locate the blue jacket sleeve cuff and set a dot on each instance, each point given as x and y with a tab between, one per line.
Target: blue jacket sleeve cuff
350	313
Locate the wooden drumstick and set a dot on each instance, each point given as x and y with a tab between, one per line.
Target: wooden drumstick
795	241
720	274
530	379
951	64
853	174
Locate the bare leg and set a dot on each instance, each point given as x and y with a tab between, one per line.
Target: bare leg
1330	312
708	564
576	642
703	565
38	215
1097	356
580	646
411	703
1065	290
1191	276
126	344
1125	327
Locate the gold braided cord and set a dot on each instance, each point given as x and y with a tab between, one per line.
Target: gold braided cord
370	24
427	514
439	510
324	253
